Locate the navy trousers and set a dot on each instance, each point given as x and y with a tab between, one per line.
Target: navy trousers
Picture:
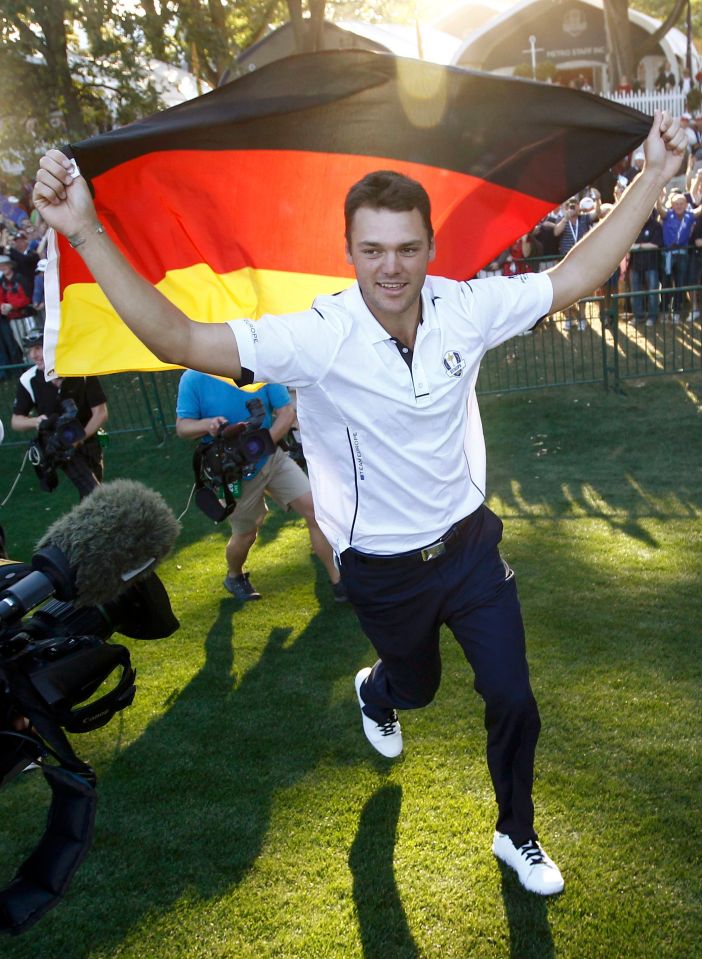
473	591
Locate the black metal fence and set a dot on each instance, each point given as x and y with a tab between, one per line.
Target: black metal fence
137	402
598	342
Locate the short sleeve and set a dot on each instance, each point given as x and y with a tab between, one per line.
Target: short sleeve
504	306
23	403
295	349
187	404
94	392
278	395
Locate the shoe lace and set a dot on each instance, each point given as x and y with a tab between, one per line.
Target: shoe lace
388	727
532	852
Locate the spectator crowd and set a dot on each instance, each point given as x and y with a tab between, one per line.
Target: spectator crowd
663	263
22	265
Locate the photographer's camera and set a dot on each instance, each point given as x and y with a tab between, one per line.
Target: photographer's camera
222	463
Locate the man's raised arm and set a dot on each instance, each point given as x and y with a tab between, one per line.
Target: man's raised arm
66	205
592	261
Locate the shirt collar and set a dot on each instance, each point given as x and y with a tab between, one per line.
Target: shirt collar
356	306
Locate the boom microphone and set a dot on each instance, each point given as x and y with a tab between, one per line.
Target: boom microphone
113	537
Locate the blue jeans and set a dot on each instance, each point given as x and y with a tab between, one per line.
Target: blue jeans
678	263
645	280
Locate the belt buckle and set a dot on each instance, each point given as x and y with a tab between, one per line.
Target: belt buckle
431	552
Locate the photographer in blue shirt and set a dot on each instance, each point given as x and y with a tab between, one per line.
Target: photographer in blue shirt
205	404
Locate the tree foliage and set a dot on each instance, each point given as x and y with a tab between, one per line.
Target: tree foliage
72	68
660	9
623	55
206	35
68	68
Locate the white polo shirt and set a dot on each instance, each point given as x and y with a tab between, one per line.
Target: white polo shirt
395	455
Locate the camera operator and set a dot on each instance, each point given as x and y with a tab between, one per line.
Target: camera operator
205	404
37	399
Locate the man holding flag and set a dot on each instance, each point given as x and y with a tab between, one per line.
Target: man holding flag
385	374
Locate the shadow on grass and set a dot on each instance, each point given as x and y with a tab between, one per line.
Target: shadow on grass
527	914
163	833
381	918
569	454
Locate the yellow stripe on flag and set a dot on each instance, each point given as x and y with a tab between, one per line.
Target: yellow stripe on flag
92	339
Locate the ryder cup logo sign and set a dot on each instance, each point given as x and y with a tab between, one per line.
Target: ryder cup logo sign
454	364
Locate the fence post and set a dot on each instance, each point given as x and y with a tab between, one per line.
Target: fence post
605	367
615	343
159	438
159	406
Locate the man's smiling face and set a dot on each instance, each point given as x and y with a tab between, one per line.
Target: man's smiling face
390	251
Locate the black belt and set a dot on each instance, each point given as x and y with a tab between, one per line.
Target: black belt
445	544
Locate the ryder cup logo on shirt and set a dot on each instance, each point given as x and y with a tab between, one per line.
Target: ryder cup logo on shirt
454	364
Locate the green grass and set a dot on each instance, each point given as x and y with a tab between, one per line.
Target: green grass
241	812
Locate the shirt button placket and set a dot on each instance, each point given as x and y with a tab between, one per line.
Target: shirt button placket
419	378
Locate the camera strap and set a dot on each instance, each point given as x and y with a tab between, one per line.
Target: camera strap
42	719
44	876
205	497
45	695
96	714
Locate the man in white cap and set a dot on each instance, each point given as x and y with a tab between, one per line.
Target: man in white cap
637	162
39	402
686	124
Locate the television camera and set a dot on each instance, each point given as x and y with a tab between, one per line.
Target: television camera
220	464
54	447
92	575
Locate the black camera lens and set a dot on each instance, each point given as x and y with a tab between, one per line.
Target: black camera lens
254	447
69	434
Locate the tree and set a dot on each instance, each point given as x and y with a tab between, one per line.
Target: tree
308	31
68	68
623	56
206	35
39	29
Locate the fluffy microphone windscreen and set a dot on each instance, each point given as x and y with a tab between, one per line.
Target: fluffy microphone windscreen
121	527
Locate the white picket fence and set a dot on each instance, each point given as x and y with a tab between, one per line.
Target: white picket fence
649	100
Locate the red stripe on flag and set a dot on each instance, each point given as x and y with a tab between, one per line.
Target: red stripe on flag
283	210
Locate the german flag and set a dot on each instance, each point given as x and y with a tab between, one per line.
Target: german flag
232	204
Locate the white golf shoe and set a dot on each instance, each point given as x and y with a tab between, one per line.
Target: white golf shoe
385	737
537	872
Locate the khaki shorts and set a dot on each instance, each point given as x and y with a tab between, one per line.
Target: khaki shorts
281	478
